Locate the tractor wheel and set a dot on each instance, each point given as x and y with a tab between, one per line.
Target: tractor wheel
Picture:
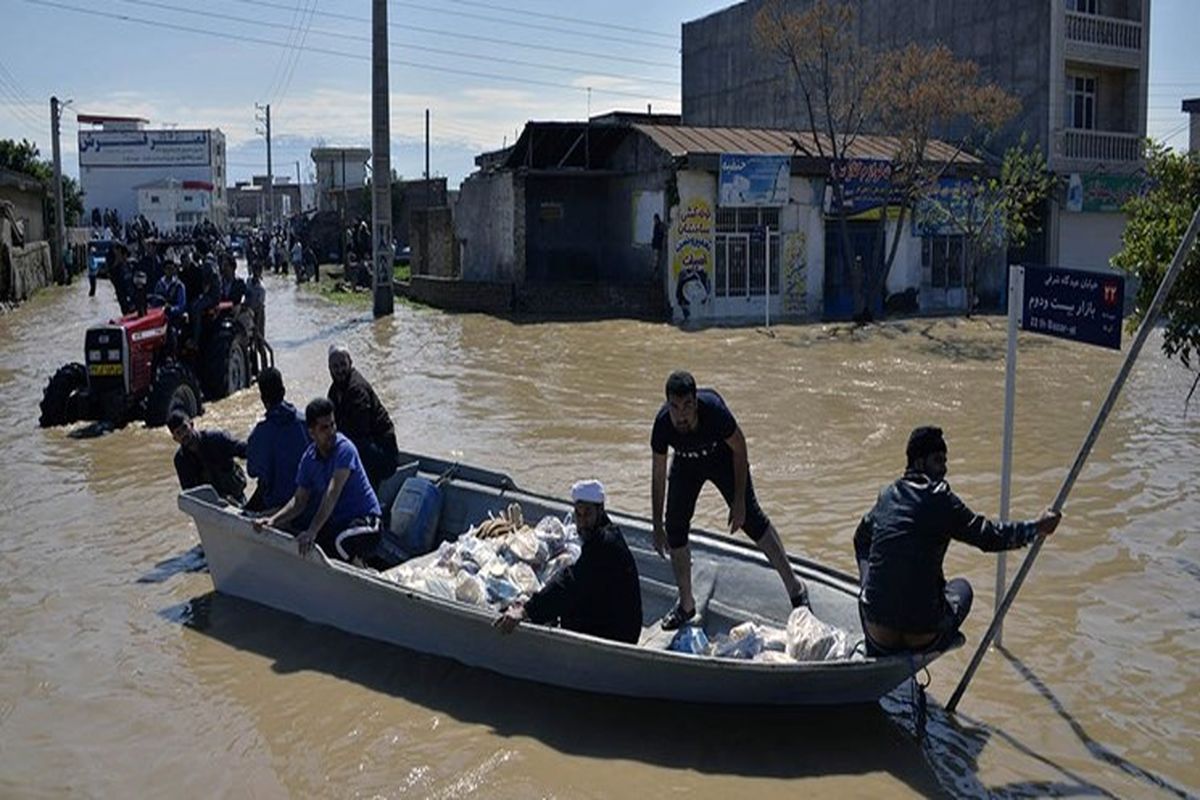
225	365
174	388
62	395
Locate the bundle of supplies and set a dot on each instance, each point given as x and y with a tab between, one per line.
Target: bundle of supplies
494	563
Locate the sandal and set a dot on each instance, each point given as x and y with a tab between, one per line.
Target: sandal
677	617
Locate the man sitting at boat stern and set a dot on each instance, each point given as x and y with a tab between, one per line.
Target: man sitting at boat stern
905	602
346	522
599	594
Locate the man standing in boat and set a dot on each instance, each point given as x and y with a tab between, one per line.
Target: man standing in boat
905	602
346	522
600	593
709	446
364	420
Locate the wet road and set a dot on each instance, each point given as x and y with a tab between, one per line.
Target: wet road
125	675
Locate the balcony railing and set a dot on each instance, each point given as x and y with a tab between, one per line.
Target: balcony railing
1100	146
1104	31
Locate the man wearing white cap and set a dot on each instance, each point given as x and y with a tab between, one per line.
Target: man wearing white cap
599	594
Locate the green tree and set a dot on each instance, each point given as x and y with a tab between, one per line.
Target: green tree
1156	223
24	157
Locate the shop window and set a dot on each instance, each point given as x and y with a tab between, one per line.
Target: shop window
942	261
741	252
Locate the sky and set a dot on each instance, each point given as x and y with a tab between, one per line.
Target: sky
481	68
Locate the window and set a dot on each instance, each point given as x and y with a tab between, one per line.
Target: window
1082	6
741	253
153	198
942	261
1081	102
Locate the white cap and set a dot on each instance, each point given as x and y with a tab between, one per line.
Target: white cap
588	492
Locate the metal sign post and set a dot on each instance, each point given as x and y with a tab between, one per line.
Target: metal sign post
1148	322
1016	294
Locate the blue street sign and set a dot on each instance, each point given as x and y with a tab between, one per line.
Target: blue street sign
1074	304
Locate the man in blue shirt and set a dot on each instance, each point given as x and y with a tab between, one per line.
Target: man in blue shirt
905	602
170	292
275	446
709	446
346	522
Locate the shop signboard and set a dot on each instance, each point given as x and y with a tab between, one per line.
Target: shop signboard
754	181
144	148
1074	304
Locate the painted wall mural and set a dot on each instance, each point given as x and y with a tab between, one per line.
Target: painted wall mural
692	264
795	273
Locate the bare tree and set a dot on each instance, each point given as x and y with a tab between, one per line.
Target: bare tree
914	94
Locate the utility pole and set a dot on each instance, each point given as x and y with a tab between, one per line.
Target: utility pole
60	222
266	120
427	189
381	162
299	191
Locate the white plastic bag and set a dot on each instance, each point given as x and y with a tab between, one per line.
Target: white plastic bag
744	641
470	588
690	639
810	639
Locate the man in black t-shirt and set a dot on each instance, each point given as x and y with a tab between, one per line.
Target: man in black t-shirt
709	446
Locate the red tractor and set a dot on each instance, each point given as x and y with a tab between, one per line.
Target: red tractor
134	368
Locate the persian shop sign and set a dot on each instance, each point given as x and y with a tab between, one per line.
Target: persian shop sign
1074	304
143	148
752	181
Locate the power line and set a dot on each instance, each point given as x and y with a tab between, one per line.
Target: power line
357	56
574	20
422	48
473	37
532	25
283	55
298	51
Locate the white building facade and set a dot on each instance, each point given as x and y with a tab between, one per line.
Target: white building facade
175	206
118	155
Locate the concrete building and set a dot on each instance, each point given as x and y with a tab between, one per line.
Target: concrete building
27	196
175	206
1079	68
1192	109
119	154
564	221
339	170
248	200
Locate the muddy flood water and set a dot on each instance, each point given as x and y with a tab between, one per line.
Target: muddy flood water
125	675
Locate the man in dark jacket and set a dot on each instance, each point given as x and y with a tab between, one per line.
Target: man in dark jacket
275	445
361	417
905	602
206	457
600	593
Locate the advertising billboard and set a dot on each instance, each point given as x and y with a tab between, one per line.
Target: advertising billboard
144	148
749	181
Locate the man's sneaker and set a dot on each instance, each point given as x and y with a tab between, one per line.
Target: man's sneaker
800	598
676	617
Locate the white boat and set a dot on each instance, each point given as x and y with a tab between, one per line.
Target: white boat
734	584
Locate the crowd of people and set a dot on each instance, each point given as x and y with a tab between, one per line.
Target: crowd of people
318	473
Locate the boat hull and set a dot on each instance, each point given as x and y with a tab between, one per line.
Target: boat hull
265	567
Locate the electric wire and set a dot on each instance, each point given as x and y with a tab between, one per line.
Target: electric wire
357	56
398	46
402	26
558	18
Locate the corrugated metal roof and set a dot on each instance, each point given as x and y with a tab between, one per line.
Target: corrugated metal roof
679	140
